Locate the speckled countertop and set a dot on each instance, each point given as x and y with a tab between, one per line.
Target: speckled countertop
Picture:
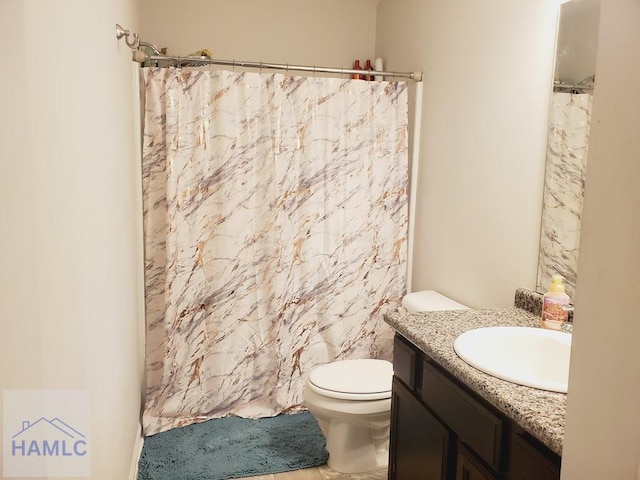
539	412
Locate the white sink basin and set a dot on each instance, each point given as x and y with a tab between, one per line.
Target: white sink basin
533	357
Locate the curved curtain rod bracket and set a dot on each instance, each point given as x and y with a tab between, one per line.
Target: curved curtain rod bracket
123	32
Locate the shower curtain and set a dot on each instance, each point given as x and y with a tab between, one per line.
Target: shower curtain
567	149
275	217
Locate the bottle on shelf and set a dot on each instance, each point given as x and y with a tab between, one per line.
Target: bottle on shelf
368	67
356	66
379	68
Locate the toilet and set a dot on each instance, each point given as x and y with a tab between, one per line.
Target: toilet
351	399
430	301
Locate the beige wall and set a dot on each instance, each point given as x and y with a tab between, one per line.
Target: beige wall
603	424
70	235
488	69
308	32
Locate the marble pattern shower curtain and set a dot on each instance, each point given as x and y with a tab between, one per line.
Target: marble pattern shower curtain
567	151
275	216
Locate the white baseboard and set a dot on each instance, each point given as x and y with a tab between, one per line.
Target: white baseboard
137	451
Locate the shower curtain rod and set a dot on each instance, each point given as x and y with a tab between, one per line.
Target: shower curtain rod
577	86
140	56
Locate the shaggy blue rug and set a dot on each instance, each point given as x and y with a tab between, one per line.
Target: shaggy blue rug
233	447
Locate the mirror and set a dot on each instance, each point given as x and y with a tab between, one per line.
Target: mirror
568	143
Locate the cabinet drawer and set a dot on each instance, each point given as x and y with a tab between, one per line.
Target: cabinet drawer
474	424
404	362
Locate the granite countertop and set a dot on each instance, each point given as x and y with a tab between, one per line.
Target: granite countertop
539	412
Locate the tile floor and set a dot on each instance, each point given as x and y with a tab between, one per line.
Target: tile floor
322	473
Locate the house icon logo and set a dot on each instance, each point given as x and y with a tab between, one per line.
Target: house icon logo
46	433
48	438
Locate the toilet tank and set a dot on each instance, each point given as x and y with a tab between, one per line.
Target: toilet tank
430	301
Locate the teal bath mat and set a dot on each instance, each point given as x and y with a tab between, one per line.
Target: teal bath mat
233	447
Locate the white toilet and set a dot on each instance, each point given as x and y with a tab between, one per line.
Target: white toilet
351	399
430	301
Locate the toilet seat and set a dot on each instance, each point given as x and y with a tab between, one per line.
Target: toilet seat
362	379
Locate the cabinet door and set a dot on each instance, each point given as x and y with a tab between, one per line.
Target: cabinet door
420	445
469	468
530	461
472	423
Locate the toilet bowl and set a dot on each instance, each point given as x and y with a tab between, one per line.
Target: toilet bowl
351	399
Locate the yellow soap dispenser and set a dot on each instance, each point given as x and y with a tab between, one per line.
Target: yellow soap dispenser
554	305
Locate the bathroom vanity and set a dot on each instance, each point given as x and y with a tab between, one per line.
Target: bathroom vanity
451	421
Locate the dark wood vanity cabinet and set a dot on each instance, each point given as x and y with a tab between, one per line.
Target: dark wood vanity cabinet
530	460
441	430
468	468
422	444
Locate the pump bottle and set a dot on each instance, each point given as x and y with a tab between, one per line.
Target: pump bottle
554	305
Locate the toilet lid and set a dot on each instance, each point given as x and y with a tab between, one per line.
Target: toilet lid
362	379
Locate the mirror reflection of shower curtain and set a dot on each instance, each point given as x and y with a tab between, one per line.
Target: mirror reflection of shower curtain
564	188
275	216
